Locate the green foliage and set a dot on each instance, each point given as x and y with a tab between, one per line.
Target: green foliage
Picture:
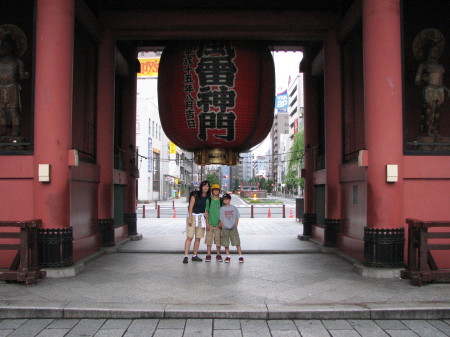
235	184
264	184
213	179
295	163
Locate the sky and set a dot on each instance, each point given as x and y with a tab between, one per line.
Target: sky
286	63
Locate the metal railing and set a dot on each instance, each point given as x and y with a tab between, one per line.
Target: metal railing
251	211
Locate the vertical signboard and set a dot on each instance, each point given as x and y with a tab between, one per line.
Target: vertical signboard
172	159
150	155
281	102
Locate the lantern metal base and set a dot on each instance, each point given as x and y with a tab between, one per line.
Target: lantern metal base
216	157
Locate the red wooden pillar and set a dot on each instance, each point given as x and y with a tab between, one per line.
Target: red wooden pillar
105	129
129	135
383	110
53	107
310	85
130	201
333	128
310	129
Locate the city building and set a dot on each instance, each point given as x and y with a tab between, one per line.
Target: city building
282	162
261	166
236	173
226	178
280	127
296	105
165	170
247	167
149	135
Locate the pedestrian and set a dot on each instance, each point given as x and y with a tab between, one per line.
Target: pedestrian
196	221
229	220
212	223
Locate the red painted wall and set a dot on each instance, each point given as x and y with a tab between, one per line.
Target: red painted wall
350	239
427	193
16	196
84	209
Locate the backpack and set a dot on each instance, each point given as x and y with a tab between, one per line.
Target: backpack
209	201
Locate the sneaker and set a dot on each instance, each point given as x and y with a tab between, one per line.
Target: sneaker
241	260
185	260
208	258
227	259
196	258
219	258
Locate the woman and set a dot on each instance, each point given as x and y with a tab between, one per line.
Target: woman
196	222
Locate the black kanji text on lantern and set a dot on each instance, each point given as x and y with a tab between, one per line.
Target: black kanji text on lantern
216	71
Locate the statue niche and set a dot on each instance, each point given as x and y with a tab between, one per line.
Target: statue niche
13	44
428	47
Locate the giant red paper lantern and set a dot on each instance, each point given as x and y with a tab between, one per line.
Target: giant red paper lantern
216	98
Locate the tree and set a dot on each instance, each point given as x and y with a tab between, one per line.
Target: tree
266	184
236	184
213	179
263	183
295	163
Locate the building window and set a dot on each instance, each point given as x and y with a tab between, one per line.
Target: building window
293	101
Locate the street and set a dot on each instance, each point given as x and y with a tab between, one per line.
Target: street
179	207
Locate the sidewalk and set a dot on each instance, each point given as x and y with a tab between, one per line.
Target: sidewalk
292	279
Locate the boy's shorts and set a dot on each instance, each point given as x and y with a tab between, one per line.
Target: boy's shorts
230	235
213	235
192	231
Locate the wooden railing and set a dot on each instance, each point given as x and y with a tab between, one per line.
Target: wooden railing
421	265
24	267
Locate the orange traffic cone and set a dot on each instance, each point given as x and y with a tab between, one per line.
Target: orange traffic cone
268	214
174	213
291	214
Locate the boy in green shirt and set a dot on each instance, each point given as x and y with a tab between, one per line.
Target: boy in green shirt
212	215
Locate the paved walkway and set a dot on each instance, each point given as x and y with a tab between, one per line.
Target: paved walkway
272	236
285	287
298	282
222	328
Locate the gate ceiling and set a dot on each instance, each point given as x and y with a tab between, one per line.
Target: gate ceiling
229	4
281	24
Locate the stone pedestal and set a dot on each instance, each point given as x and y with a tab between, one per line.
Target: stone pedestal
10	143
433	143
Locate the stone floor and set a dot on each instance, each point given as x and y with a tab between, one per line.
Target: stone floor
222	328
293	280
